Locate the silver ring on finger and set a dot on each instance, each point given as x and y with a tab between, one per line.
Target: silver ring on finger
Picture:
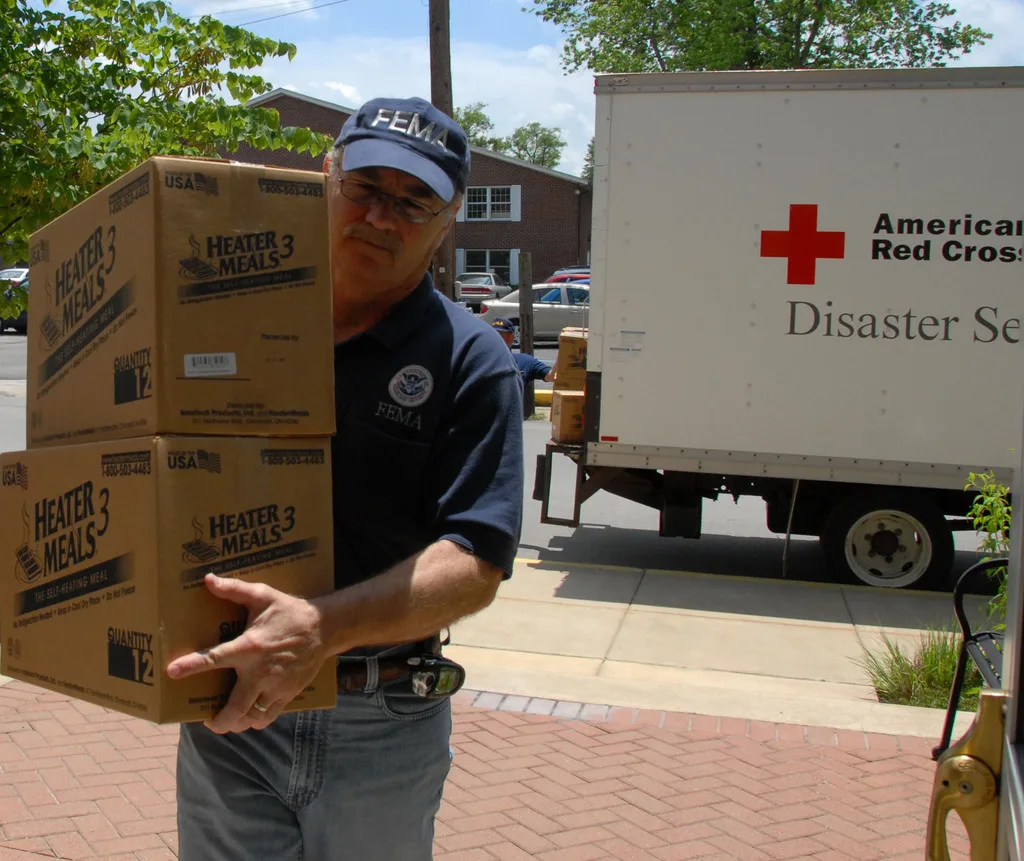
256	705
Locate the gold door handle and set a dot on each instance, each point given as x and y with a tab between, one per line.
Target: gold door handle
967	781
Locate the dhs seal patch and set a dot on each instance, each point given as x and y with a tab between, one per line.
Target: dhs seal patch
411	386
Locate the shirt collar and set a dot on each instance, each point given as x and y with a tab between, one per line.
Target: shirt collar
404	318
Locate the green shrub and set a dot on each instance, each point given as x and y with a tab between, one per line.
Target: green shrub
990	516
924	678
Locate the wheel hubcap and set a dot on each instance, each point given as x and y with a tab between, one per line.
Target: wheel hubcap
888	548
884	543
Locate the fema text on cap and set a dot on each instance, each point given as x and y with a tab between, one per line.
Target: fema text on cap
408	123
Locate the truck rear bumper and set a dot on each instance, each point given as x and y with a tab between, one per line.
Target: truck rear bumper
584	486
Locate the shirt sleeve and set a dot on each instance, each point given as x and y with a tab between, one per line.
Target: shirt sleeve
477	468
530	367
539	370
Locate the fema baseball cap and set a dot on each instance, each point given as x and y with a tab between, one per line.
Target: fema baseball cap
409	135
503	324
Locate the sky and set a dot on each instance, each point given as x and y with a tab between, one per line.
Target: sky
354	50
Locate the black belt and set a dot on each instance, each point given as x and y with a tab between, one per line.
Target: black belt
356	672
431	646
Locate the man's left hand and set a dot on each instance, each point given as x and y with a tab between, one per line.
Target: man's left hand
278	654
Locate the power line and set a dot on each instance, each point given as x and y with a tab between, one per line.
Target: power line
216	14
296	12
247	9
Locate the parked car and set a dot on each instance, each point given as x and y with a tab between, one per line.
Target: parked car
571	271
555	307
14	283
473	288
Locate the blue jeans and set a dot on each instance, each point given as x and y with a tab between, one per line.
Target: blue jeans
359	782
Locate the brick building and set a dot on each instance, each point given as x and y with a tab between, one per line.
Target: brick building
510	206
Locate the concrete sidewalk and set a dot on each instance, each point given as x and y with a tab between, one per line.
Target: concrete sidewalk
769	650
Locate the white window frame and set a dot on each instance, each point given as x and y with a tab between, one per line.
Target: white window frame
515	204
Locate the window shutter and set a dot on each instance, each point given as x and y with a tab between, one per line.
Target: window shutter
460	261
513	267
517	203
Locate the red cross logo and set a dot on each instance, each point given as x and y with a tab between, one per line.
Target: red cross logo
803	244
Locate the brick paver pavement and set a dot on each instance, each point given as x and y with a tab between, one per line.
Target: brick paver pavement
531	779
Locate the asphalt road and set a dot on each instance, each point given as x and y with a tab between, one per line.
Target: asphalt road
13	355
613	531
12	400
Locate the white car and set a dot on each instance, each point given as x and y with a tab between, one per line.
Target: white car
555	307
473	288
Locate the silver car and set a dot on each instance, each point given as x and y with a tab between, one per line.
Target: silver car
555	307
474	288
14	285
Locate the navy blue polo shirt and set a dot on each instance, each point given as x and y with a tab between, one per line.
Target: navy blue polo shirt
531	368
429	442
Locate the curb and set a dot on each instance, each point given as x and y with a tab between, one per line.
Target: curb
521	689
819	735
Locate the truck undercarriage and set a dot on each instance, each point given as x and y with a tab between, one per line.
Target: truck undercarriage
891	536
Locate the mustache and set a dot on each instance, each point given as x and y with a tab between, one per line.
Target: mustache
369	233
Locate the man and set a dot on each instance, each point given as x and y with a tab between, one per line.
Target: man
530	368
428	488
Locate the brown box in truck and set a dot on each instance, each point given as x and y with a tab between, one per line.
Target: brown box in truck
572	381
188	297
571	364
105	547
567	416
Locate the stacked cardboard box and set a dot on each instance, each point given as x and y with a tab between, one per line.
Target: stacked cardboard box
180	409
567	400
571	364
567	416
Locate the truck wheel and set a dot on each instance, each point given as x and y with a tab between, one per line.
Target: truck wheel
888	539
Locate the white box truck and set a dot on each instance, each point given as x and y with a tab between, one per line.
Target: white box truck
807	286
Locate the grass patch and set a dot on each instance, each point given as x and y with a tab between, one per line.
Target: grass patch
925	677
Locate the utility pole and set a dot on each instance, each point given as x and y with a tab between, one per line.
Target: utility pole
526	324
441	98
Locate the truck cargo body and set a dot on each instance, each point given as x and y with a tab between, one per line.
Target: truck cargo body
806	286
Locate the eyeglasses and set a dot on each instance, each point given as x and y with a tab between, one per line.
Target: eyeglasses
366	194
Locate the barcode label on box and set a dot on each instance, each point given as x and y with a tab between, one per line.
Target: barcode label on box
210	365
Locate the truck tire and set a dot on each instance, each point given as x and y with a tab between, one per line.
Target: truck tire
888	538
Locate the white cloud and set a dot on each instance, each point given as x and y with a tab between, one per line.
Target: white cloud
563	109
1004	19
348	92
518	87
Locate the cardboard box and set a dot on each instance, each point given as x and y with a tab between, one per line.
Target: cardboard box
571	381
571	364
567	416
105	547
189	297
